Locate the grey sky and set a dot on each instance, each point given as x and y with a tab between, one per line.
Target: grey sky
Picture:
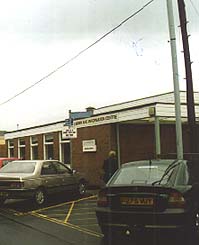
132	62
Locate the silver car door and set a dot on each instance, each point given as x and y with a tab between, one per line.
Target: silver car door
67	179
50	177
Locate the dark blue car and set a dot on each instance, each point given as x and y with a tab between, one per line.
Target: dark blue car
151	196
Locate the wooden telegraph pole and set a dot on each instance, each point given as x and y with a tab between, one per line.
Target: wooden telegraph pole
189	81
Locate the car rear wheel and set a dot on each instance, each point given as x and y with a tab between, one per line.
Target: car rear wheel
40	196
81	188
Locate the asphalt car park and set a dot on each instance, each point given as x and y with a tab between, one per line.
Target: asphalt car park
71	219
78	214
71	213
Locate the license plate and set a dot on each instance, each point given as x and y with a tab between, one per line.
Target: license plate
136	201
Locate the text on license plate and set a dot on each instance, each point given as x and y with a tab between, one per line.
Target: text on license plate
137	201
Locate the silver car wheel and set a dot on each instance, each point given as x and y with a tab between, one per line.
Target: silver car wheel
40	196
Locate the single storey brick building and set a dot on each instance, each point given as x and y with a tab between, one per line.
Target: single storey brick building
139	129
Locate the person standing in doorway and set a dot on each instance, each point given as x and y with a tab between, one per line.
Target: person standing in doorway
110	166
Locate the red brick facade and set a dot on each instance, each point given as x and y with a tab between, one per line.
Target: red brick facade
3	151
137	141
91	162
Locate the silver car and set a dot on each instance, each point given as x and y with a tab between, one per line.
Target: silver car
37	179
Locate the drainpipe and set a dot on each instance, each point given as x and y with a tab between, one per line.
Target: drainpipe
157	137
156	119
118	143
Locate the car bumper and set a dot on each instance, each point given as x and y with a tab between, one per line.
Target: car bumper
123	220
16	193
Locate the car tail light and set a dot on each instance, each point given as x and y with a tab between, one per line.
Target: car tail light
176	200
17	185
102	200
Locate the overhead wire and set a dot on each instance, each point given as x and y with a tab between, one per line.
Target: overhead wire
78	54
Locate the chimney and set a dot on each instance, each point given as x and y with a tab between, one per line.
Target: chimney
90	109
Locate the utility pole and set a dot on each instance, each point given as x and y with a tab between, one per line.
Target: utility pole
179	144
189	81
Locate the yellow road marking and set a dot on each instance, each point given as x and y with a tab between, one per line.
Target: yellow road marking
69	212
17	213
65	203
61	222
96	234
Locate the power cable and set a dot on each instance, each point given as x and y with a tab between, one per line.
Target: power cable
78	54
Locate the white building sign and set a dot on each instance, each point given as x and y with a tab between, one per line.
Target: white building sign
96	120
69	133
89	146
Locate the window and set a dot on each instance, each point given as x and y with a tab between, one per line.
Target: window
61	169
140	173
10	148
48	168
65	151
34	147
22	148
49	138
34	140
48	146
19	167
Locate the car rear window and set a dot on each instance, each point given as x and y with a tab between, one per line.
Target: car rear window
6	162
18	167
139	174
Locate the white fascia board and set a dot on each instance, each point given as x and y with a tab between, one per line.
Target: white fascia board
168	110
162	110
167	98
135	114
162	98
123	116
34	131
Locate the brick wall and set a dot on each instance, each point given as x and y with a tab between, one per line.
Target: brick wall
90	163
16	147
3	150
136	142
40	146
27	151
56	145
